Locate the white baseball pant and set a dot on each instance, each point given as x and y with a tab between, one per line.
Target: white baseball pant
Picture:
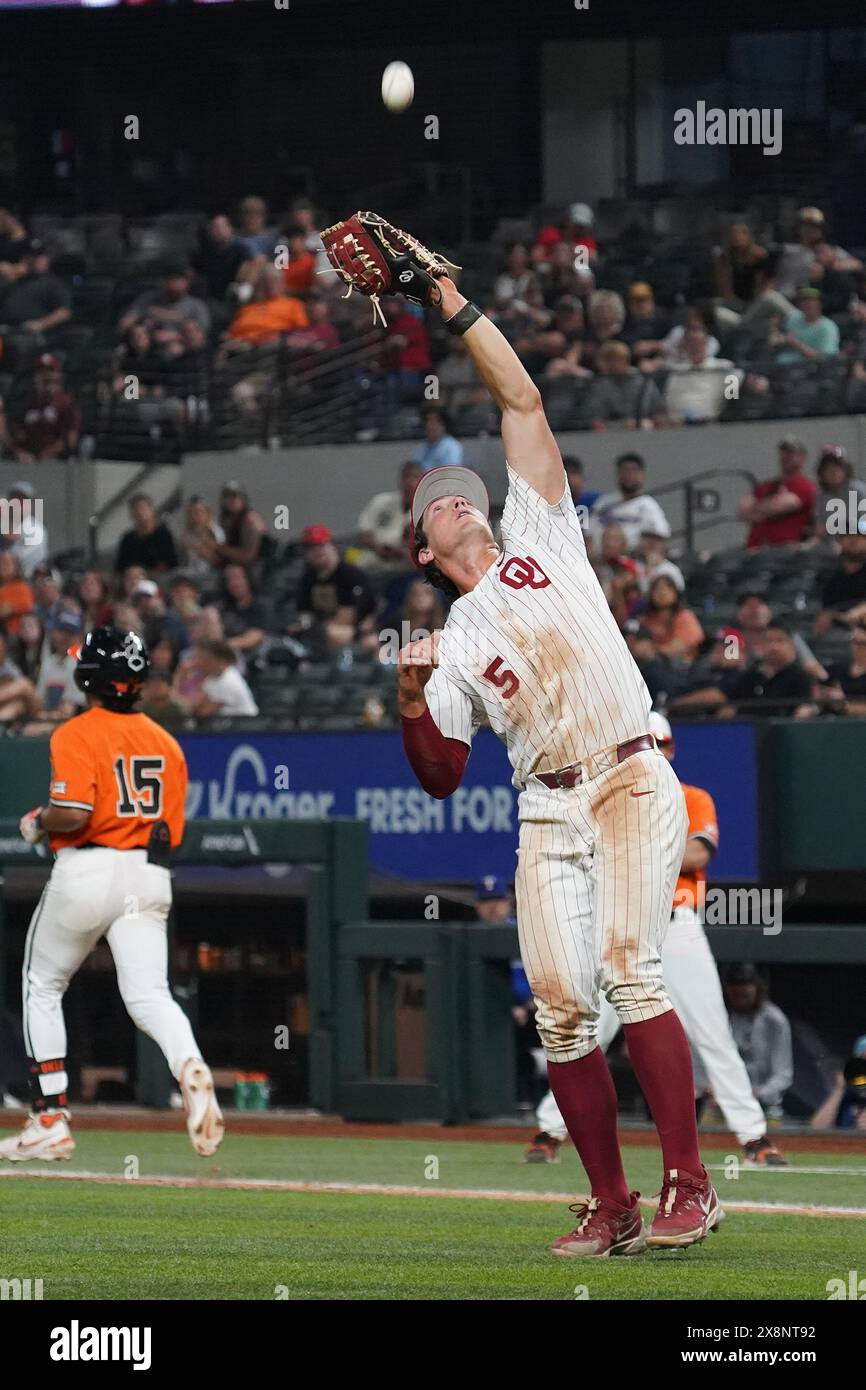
692	981
596	871
94	893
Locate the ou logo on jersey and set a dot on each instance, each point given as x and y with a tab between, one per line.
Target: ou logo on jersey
518	573
404	277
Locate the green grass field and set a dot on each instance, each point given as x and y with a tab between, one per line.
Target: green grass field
130	1239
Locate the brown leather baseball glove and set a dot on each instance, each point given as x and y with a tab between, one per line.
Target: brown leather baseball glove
375	258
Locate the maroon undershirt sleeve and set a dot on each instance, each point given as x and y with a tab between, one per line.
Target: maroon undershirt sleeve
438	762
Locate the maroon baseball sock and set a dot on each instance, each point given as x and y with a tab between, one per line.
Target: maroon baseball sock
586	1097
662	1062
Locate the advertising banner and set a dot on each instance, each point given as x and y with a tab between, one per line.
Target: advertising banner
474	832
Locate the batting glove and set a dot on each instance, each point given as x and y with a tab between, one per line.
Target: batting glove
30	827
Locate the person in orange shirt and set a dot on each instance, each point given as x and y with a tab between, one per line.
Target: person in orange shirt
692	983
115	812
269	313
16	595
674	628
701	845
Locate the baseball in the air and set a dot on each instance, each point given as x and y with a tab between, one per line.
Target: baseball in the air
398	86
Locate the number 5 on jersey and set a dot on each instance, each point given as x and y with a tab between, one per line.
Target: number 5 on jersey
502	677
139	786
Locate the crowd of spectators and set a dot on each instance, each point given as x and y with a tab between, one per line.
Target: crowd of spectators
793	599
241	622
164	348
250	326
749	324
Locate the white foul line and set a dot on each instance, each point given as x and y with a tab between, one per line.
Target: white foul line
355	1189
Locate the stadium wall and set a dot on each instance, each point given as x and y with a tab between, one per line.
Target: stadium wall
788	795
65	491
332	483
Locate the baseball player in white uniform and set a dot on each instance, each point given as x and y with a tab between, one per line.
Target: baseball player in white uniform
115	812
692	982
531	647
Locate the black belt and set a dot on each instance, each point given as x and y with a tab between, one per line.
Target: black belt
158	846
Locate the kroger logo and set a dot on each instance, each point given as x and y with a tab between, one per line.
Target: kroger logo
246	790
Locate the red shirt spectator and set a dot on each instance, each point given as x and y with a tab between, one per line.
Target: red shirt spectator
300	270
782	510
298	275
794	525
48	422
408	342
321	333
576	227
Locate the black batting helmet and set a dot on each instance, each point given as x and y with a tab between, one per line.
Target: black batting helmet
112	665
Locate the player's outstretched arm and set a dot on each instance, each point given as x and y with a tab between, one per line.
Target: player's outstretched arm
529	443
373	257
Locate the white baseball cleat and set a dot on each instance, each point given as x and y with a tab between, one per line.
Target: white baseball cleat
204	1119
46	1136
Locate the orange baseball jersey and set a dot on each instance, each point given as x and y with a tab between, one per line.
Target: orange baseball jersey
703	825
126	770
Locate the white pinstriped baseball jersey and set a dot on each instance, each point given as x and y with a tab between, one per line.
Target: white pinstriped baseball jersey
535	649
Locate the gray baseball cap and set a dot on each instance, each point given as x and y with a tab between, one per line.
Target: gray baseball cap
446	481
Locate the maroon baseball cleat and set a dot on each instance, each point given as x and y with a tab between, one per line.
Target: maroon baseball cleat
688	1209
604	1228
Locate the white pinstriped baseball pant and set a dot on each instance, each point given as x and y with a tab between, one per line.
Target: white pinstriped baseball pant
597	865
692	977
